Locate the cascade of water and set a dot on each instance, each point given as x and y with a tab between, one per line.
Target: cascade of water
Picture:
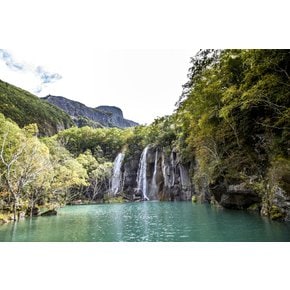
142	174
154	186
173	167
184	178
165	171
185	182
117	174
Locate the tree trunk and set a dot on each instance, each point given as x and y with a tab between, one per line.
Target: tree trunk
15	210
31	208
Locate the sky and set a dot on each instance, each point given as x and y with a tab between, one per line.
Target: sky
131	54
144	83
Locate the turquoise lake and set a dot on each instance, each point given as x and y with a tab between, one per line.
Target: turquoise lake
147	222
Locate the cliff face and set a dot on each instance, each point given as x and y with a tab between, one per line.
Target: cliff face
103	116
116	116
269	195
158	174
155	175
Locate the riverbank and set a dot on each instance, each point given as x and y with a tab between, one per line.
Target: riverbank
45	211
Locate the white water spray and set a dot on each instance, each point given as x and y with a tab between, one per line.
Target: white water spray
117	174
142	185
154	186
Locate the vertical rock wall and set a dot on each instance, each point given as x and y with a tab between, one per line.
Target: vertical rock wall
165	176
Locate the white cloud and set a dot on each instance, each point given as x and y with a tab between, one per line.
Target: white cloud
9	61
32	78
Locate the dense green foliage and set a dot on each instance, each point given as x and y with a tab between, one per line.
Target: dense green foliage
83	122
233	118
33	173
25	108
104	143
40	173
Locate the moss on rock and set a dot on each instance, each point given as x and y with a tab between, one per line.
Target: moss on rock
275	213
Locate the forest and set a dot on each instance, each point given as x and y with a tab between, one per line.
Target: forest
231	125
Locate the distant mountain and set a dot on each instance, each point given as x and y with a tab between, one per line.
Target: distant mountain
102	116
24	108
53	114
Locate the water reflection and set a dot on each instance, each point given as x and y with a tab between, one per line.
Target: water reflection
147	221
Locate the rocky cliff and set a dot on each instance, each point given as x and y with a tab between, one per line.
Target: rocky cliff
159	174
155	175
102	116
269	195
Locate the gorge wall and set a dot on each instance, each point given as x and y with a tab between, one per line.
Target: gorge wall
159	174
156	175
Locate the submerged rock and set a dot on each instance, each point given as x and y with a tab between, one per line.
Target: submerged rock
49	212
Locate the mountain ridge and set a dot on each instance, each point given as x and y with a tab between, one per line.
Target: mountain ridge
101	116
53	114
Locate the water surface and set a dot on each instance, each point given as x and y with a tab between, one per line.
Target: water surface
146	222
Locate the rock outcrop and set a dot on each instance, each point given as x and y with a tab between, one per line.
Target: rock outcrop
102	116
276	204
239	196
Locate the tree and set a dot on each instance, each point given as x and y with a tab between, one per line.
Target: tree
24	159
67	174
99	175
233	117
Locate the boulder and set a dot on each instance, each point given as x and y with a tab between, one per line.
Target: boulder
280	209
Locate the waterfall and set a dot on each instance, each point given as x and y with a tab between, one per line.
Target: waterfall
142	185
184	178
185	182
154	186
117	174
173	167
165	171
